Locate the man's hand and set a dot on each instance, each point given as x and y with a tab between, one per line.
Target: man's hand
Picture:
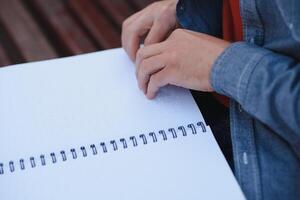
185	59
154	23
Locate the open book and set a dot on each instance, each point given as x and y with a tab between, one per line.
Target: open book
79	128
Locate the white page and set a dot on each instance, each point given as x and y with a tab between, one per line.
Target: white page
174	169
79	100
65	103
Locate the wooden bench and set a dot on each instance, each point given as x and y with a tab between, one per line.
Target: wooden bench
32	30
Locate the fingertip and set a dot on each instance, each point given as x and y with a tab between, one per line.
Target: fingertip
141	86
128	52
150	93
137	57
132	51
132	56
150	96
132	46
145	89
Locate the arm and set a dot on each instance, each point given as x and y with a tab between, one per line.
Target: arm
266	84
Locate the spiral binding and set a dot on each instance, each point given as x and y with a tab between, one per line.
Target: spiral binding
122	143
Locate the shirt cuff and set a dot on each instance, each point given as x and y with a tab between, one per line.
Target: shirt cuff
232	70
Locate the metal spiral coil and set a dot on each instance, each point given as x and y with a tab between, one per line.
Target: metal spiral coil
103	147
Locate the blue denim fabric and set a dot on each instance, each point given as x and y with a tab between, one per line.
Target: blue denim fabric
262	77
207	21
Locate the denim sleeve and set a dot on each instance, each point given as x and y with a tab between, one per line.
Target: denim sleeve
266	85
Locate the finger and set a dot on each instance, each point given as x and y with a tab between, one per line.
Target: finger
126	25
157	33
131	45
133	17
132	33
148	67
158	80
177	33
147	52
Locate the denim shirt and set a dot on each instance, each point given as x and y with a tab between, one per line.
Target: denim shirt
261	75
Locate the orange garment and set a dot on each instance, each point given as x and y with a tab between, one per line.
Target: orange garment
232	30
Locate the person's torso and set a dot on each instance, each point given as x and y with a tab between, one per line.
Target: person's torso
265	164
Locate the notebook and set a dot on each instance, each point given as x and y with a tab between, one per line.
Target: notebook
79	128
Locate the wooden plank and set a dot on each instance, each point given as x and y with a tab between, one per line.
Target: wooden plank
24	32
116	9
4	59
140	4
10	52
97	24
67	34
